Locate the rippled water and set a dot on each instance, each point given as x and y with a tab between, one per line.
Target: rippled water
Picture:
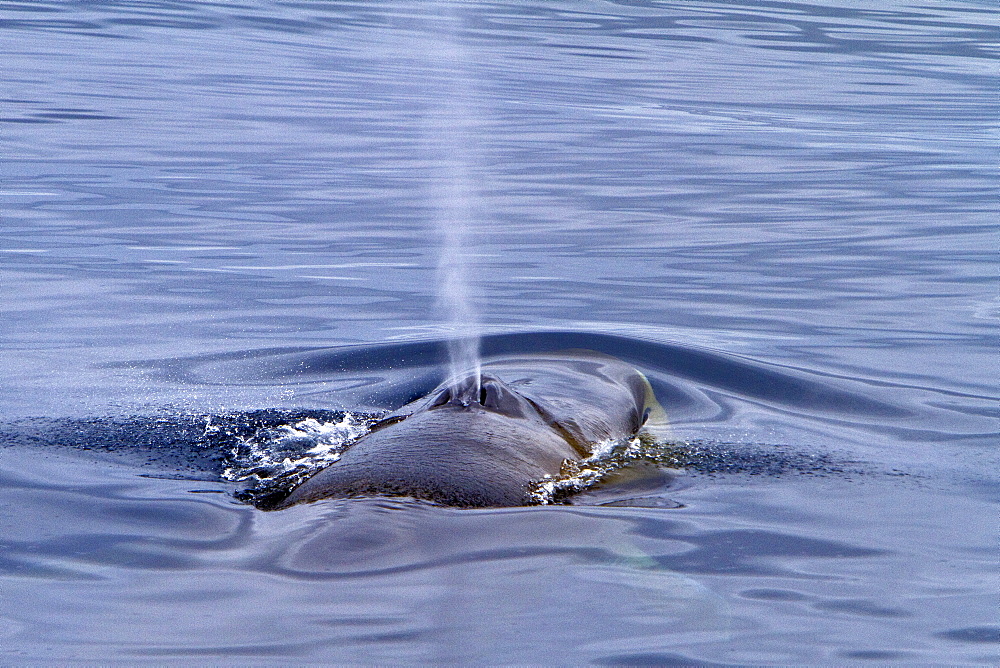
783	213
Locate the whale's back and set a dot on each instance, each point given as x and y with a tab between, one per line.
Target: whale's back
462	448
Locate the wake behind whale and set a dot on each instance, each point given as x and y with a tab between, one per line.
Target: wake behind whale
543	427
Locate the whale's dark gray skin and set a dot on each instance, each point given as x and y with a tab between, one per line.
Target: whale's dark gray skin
460	447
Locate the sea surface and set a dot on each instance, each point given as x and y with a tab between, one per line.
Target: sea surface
235	230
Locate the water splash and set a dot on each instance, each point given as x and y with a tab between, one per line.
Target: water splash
607	457
291	450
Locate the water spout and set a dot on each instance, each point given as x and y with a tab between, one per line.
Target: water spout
452	135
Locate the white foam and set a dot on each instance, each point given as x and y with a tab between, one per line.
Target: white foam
268	454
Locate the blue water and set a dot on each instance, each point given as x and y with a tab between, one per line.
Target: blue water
785	214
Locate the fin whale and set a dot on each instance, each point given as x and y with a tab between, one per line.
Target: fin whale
483	444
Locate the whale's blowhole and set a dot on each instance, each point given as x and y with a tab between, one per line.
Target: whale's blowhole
486	392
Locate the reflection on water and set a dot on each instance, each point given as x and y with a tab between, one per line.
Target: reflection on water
782	213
